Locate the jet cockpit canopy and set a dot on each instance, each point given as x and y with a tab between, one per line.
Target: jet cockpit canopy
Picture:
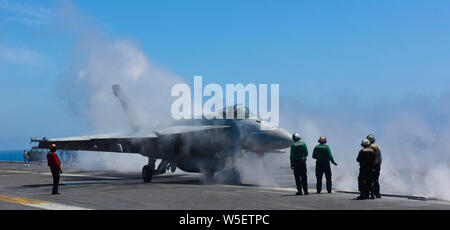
237	112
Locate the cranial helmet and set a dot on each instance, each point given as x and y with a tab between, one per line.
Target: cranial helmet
296	137
365	143
371	138
322	140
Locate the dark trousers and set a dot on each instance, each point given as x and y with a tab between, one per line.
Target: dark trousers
323	168
376	181
301	180
366	181
55	174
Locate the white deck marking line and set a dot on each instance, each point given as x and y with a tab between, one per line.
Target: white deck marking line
56	206
16	171
84	175
62	175
270	188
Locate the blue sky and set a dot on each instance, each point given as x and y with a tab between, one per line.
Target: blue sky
316	50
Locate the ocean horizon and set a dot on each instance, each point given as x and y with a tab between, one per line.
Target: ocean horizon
11	155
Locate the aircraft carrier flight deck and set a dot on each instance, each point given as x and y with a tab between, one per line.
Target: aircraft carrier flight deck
28	187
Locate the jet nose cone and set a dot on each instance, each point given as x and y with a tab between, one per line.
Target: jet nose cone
278	138
268	140
283	138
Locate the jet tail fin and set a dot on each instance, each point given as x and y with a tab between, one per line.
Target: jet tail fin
125	102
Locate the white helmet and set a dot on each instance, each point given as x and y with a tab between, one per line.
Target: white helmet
365	143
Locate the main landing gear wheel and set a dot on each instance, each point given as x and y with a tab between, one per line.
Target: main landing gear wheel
147	174
232	176
235	177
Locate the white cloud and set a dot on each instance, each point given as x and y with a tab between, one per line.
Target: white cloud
21	56
26	13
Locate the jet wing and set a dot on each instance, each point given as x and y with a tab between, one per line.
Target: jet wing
131	142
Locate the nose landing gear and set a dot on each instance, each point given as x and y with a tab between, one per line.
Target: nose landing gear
149	170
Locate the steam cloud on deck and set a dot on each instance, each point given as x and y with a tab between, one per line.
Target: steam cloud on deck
413	134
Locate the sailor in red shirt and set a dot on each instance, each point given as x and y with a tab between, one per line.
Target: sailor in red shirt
55	167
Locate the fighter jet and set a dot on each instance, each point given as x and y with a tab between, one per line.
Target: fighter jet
198	145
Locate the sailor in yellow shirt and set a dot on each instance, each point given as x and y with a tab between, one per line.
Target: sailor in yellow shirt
372	140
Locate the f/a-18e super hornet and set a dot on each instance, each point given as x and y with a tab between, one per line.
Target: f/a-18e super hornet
199	145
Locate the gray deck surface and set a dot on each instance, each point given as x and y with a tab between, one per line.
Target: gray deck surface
106	190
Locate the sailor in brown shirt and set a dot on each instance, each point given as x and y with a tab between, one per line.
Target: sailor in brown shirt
367	159
372	139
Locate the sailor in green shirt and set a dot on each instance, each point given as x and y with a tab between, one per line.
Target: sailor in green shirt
323	156
299	152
